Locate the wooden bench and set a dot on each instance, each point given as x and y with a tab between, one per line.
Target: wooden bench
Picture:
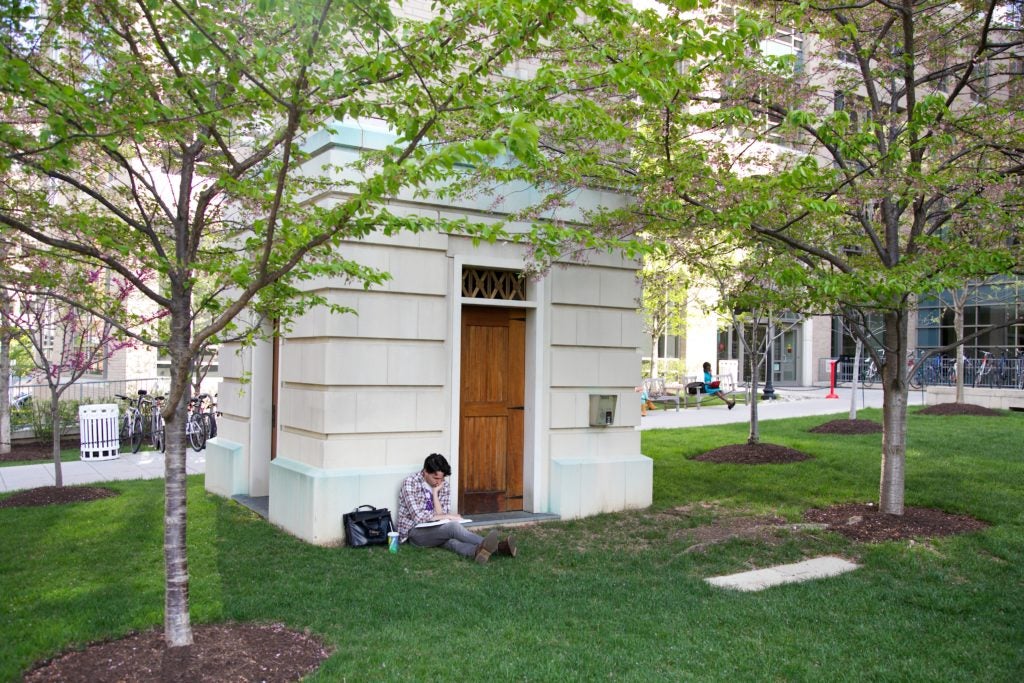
657	393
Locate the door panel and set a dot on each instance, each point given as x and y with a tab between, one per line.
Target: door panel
491	409
785	353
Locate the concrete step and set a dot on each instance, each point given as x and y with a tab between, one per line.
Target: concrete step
509	519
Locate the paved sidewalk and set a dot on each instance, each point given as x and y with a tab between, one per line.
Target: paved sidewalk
141	465
790	402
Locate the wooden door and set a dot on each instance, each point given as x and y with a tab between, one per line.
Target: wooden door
491	427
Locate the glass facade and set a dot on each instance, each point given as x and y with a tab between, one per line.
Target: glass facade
993	303
843	343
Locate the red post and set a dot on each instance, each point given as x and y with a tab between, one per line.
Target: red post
832	382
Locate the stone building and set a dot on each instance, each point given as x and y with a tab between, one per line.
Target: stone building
525	384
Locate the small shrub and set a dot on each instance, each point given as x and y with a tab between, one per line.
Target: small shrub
21	417
41	421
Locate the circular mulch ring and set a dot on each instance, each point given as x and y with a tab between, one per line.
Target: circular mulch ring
864	522
220	652
56	495
753	454
848	427
959	409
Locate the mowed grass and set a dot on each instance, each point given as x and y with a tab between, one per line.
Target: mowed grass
610	597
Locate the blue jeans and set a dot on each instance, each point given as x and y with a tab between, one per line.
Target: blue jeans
453	536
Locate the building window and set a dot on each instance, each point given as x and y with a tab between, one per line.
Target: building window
790	37
488	283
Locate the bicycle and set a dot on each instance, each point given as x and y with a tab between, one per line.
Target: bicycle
915	378
968	370
196	425
207	409
984	369
156	423
131	421
870	375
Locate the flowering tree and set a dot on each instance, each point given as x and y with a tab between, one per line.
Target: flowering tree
65	342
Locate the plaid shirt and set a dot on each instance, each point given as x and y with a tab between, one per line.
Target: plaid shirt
416	505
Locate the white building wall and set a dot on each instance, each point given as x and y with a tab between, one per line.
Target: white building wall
596	337
701	332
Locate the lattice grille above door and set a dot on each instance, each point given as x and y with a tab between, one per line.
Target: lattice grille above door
487	283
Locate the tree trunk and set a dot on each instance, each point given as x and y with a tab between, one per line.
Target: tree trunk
894	415
958	330
654	356
55	440
177	622
5	391
854	379
754	435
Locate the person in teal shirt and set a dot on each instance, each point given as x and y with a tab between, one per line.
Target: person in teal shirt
711	387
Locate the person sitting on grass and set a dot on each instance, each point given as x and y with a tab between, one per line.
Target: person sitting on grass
711	387
426	497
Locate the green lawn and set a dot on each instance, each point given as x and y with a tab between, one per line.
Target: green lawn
613	597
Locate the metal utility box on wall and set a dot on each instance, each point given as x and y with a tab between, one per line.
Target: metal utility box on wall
602	409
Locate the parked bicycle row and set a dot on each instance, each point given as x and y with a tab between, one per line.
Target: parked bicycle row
142	421
988	370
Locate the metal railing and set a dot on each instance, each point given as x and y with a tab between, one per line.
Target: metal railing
86	391
988	371
866	375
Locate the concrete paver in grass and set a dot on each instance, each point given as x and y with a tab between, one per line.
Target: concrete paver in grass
817	568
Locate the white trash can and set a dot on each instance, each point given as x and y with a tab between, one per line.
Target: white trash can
98	430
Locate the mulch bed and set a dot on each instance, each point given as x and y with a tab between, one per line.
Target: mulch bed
48	495
220	652
864	522
34	451
753	454
848	427
959	409
56	495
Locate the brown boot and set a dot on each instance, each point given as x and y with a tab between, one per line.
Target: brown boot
486	547
508	546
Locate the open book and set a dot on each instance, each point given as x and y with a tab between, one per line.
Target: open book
424	525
